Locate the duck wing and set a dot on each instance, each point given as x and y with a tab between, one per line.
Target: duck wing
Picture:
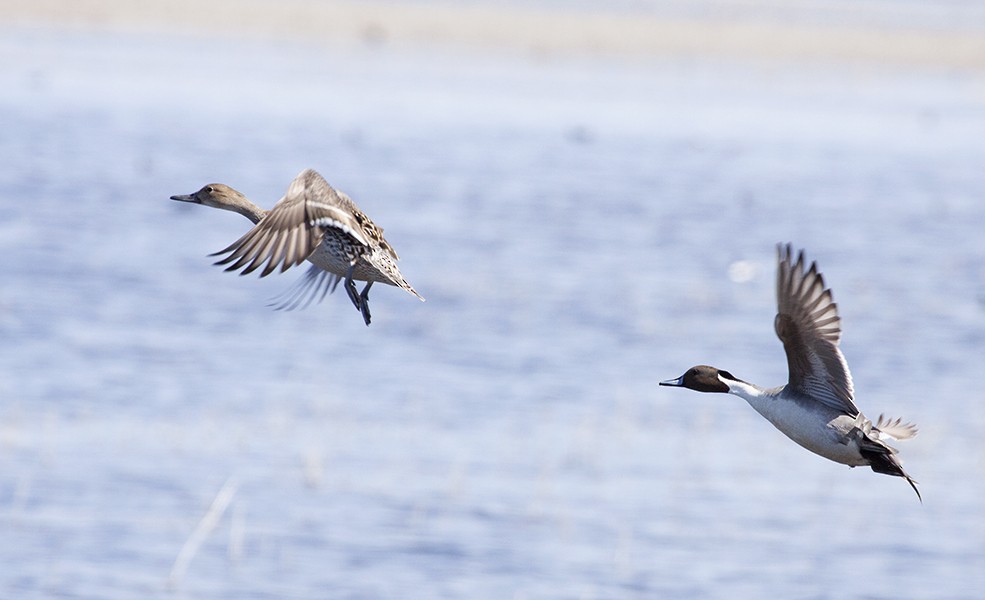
372	232
313	287
808	324
291	231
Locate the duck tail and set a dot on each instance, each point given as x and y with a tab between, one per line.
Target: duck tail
882	459
895	429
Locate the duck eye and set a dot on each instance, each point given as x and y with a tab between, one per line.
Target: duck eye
210	189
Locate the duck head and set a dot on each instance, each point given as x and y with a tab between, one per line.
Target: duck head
703	378
216	195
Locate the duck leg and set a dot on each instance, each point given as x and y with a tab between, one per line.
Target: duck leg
350	288
364	302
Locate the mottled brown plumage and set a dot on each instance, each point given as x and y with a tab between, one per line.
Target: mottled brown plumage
313	222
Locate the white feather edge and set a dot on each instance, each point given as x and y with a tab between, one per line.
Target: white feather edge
336	224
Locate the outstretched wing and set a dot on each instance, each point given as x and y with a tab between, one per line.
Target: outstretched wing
371	230
293	228
313	287
807	323
327	207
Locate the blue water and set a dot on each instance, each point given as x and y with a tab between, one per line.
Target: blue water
581	230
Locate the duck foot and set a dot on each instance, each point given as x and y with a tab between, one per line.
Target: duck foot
359	300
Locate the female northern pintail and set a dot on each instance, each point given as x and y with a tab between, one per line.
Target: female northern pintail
312	222
816	408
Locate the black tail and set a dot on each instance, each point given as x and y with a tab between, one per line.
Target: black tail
882	460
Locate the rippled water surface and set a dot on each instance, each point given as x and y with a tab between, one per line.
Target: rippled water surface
580	229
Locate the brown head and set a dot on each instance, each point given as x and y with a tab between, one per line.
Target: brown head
703	378
216	195
219	195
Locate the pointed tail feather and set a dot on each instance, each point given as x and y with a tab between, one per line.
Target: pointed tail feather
882	459
403	284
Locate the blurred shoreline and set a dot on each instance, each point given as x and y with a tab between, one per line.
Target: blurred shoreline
906	34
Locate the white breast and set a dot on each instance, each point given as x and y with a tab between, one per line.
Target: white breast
818	428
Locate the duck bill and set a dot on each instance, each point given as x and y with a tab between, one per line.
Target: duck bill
679	382
184	198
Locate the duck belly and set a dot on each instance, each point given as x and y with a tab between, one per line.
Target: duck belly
823	431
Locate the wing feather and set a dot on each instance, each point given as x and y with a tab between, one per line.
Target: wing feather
808	324
312	287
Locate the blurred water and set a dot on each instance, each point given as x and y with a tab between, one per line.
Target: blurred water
574	226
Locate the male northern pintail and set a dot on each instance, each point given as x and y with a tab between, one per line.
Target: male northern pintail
312	222
816	408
